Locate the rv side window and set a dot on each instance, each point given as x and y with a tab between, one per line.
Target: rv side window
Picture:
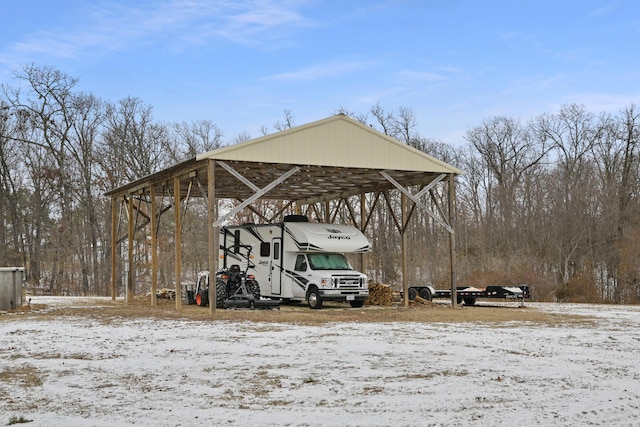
301	263
265	249
276	250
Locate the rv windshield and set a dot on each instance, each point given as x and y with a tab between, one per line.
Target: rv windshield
328	262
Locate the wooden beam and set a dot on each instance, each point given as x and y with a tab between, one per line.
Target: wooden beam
130	235
452	239
405	255
441	221
370	214
154	246
214	235
363	215
392	212
144	223
114	246
178	242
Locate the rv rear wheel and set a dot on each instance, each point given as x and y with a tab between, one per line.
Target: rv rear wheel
313	298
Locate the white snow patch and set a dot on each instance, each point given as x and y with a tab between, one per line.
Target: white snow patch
154	372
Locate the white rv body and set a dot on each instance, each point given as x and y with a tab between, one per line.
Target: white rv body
294	261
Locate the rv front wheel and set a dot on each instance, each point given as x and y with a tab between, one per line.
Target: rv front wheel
313	298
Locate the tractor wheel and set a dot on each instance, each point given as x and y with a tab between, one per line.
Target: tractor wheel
202	299
313	298
253	288
425	293
221	293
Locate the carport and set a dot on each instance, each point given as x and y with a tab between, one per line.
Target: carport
333	160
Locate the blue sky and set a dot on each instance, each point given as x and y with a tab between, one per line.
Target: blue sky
242	63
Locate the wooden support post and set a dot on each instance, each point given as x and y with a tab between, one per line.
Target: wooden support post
114	246
452	239
131	234
154	246
214	235
327	212
363	221
178	242
405	267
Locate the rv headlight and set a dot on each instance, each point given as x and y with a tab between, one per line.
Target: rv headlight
325	282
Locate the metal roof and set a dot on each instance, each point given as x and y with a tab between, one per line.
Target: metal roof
337	157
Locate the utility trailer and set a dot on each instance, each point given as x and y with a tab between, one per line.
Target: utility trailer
469	294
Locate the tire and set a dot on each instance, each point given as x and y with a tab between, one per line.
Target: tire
413	292
313	298
202	298
357	303
221	293
253	288
425	293
469	301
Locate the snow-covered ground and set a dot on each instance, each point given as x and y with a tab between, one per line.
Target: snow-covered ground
81	371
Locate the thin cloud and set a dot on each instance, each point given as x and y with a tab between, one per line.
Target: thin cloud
419	76
321	71
189	22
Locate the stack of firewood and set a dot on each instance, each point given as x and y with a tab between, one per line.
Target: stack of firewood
380	294
166	293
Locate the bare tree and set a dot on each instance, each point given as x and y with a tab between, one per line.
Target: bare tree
132	143
194	138
287	122
508	152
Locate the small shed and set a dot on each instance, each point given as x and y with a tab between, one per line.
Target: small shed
332	159
11	279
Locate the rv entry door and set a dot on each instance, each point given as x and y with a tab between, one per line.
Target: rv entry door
275	272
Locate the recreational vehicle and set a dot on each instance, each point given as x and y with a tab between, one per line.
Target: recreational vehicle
297	260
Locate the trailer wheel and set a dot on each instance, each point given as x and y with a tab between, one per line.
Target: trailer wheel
425	293
469	301
357	304
221	293
313	298
413	292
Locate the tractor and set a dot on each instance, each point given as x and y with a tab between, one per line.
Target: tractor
235	288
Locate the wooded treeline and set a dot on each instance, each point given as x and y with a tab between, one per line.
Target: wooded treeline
553	202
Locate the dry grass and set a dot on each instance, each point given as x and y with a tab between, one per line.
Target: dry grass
300	314
21	375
